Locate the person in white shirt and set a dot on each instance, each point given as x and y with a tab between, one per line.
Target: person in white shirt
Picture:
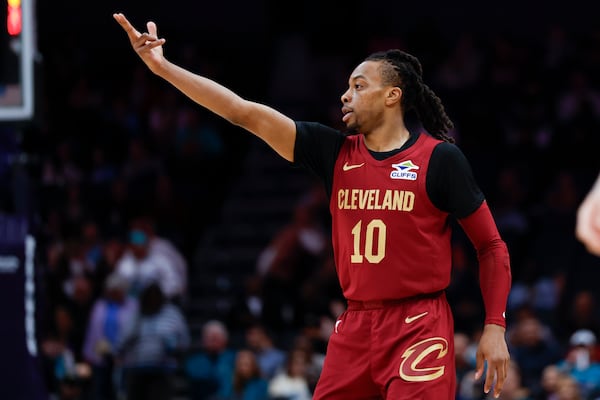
162	245
291	383
142	266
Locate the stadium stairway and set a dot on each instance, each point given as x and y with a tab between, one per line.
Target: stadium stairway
259	203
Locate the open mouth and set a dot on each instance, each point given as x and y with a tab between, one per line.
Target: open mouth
346	111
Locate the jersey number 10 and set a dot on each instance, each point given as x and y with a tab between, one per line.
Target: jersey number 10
374	227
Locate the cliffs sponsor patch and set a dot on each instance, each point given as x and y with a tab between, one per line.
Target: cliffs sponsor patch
404	170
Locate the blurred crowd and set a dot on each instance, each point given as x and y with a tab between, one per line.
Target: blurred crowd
119	188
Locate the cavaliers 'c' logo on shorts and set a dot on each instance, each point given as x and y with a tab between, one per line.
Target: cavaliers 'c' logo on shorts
412	368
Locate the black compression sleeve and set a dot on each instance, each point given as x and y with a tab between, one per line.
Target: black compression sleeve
451	185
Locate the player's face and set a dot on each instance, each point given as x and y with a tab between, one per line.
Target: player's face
364	101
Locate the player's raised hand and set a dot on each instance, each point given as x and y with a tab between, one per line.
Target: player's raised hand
146	44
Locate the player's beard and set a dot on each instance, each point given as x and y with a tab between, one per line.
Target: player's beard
351	131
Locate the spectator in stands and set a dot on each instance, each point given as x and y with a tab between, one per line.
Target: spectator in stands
549	383
59	349
315	357
291	382
210	368
80	304
159	244
151	346
533	347
269	357
568	389
582	364
142	265
248	382
110	314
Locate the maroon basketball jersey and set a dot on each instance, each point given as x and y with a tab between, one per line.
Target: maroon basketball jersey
389	240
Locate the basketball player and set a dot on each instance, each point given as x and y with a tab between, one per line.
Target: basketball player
392	192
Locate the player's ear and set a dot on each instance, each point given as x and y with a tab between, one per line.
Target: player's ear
393	95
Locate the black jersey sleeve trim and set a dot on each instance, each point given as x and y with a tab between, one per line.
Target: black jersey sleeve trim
451	185
316	149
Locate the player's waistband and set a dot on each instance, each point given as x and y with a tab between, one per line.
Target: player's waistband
375	304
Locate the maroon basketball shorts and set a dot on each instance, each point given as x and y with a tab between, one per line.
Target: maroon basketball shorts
391	350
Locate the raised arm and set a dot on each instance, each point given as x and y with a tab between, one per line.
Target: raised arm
275	128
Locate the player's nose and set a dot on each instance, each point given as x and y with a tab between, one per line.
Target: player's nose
345	97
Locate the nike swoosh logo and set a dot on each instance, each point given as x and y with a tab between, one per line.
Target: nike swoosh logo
347	167
409	320
337	323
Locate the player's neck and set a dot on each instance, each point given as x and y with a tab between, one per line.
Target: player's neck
382	140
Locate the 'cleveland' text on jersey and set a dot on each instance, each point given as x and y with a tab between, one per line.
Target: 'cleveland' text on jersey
375	199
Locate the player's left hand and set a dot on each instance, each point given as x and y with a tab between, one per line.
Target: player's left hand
493	350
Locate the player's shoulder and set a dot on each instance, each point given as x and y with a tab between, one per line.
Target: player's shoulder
312	127
447	151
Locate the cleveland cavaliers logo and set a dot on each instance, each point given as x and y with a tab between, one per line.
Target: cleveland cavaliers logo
412	368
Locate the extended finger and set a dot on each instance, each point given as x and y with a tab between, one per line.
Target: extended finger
126	25
489	378
500	378
151	26
479	365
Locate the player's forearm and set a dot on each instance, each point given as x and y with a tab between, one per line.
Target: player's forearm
494	281
494	263
206	92
276	129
